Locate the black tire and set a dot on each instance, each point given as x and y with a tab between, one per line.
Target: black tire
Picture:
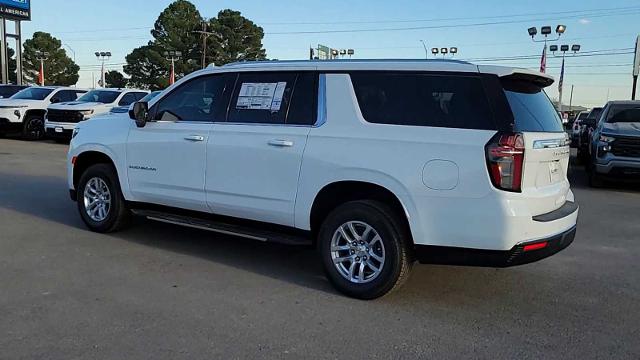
595	180
395	238
118	215
33	128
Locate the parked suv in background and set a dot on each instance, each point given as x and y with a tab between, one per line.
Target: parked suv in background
25	111
377	162
586	130
576	128
615	144
63	117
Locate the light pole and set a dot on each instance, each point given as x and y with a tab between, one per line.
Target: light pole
172	56
426	52
102	56
444	51
563	48
41	56
546	31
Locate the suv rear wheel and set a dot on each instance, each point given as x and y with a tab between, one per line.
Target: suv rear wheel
364	249
100	201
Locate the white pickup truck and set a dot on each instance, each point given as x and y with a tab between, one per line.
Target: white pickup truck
63	117
24	112
378	163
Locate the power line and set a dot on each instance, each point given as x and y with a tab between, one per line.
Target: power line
626	13
575	12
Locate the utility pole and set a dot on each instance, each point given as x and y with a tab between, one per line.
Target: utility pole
103	56
205	34
41	56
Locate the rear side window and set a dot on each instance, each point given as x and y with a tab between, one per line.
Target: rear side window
531	107
304	101
419	99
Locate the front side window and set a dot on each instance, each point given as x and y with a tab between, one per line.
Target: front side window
32	93
197	100
421	99
100	96
127	99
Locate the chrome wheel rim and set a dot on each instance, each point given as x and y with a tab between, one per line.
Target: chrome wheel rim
97	199
357	252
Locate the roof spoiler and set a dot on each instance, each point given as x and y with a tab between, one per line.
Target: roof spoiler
517	74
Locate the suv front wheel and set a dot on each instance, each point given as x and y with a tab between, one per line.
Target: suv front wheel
100	201
364	249
33	128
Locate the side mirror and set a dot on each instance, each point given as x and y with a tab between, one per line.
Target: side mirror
140	113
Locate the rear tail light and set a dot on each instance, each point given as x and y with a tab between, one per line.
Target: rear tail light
505	160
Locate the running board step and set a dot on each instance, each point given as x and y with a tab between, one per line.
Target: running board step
246	231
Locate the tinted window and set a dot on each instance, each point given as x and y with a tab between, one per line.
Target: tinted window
64	96
261	98
139	95
127	99
304	100
418	99
197	100
532	109
8	90
32	93
624	113
150	96
101	96
595	113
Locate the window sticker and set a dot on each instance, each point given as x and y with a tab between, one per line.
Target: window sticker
261	96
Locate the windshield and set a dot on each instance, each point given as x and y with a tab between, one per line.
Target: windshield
101	96
32	93
583	115
532	109
624	113
150	96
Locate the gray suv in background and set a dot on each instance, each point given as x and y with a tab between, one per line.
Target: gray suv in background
615	144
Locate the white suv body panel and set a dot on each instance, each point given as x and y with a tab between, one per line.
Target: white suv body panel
438	174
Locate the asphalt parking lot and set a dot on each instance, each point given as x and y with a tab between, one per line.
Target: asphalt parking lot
163	292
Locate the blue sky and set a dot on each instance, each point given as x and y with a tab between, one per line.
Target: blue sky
119	26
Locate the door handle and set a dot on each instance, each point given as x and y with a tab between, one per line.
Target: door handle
281	143
194	138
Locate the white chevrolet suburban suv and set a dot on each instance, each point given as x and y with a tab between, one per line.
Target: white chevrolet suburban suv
378	163
24	112
63	117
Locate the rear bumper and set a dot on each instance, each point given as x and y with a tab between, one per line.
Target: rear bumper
522	253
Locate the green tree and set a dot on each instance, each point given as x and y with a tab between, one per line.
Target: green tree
115	79
59	69
235	38
147	69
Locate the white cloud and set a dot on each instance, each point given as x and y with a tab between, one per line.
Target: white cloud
584	21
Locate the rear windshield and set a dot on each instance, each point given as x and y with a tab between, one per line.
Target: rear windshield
531	107
624	113
101	96
595	113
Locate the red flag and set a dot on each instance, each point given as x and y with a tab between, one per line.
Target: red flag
172	74
41	74
543	60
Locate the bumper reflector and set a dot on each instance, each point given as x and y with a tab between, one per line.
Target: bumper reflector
73	160
536	246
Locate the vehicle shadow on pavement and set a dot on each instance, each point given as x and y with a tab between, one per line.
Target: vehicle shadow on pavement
32	195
